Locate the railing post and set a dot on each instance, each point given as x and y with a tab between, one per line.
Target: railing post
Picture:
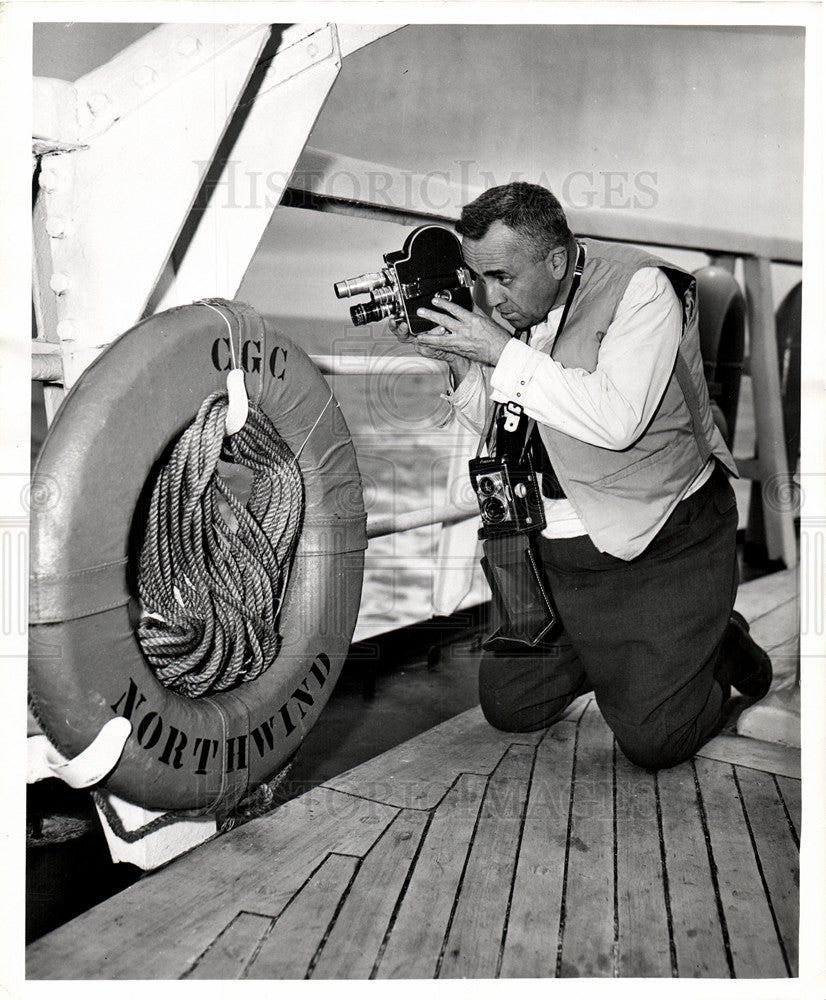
768	410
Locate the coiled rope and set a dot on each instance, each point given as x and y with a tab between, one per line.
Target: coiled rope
212	578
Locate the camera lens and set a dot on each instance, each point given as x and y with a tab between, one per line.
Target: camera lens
494	510
370	312
487	485
363	283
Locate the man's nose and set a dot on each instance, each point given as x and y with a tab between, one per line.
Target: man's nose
494	293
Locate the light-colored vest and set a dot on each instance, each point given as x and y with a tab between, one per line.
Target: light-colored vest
623	497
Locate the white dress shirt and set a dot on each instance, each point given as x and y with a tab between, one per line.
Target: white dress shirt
609	407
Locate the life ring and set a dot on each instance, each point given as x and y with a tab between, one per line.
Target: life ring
86	665
722	319
789	320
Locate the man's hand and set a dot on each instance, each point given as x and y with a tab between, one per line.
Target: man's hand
458	365
404	336
463	333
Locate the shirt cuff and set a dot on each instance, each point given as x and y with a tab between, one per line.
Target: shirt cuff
467	390
515	369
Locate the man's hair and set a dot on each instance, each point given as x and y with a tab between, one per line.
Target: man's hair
528	209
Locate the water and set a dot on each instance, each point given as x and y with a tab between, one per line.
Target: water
404	447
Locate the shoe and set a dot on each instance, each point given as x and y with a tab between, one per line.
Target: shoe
752	667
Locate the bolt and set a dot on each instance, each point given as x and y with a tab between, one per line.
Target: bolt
55	227
188	46
312	50
66	330
144	76
47	180
97	104
59	283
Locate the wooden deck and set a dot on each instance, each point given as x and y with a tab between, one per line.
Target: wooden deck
466	852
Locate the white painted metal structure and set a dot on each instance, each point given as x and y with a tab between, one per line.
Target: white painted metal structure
124	226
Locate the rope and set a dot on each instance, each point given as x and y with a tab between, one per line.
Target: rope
213	571
258	802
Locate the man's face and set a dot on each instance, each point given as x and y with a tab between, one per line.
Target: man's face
521	289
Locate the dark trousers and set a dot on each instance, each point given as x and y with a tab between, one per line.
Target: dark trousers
646	636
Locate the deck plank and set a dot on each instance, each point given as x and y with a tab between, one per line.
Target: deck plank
697	933
790	789
299	891
417	774
785	657
477	929
777	852
289	948
643	943
588	930
415	941
173	915
757	597
228	956
531	941
755	949
778	625
354	943
758	754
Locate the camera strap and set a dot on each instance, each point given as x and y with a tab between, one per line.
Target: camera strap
514	410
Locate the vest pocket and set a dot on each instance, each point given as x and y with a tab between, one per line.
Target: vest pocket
640	465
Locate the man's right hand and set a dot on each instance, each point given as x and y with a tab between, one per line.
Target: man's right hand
458	365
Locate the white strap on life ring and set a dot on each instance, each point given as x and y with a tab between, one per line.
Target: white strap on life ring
89	767
238	404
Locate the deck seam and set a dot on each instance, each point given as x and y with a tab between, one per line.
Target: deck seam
328	931
562	906
765	885
789	820
669	916
461	882
366	798
406	884
251	913
257	950
712	864
707	752
265	937
615	944
522	821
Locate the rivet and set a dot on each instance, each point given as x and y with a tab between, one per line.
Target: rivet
55	227
188	46
59	283
97	104
66	330
47	181
144	76
312	50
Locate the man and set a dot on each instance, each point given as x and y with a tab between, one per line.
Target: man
639	548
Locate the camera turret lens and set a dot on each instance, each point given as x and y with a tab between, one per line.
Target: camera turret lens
370	312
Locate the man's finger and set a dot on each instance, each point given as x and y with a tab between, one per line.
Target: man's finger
448	322
441	341
452	307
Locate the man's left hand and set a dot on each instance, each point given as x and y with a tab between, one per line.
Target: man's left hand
468	334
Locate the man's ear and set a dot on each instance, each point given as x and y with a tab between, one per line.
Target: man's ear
556	263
